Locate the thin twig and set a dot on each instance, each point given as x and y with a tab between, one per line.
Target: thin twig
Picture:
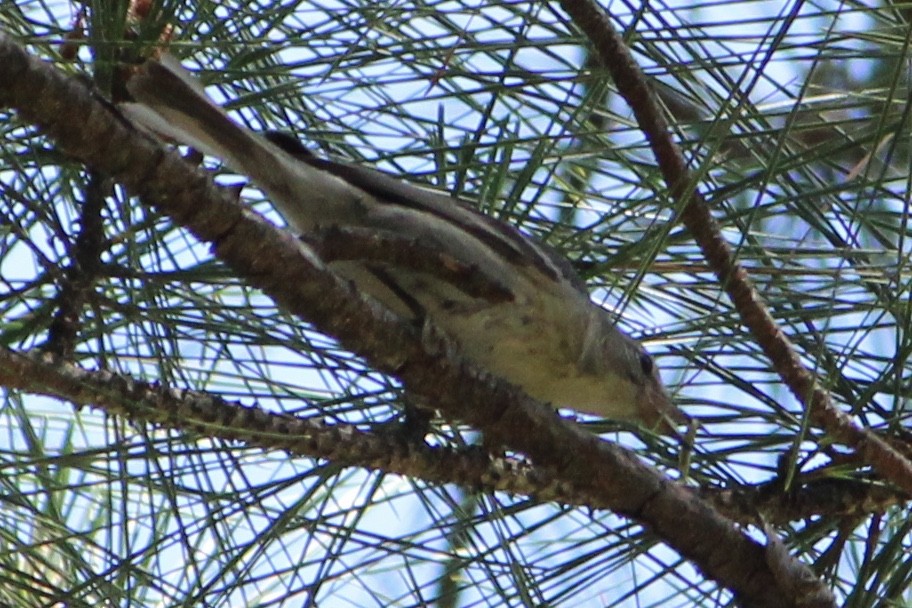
695	214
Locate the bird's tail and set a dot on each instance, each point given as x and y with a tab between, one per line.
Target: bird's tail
170	102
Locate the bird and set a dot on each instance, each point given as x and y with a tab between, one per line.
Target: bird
514	306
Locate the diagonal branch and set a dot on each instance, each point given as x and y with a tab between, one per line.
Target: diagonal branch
286	270
210	416
207	415
695	214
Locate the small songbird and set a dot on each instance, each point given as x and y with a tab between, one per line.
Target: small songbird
515	307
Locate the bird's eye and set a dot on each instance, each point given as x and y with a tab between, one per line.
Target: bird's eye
646	363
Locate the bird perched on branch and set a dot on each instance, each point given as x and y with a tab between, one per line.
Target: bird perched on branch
515	306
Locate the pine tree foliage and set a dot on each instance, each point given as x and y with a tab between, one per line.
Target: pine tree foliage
794	121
